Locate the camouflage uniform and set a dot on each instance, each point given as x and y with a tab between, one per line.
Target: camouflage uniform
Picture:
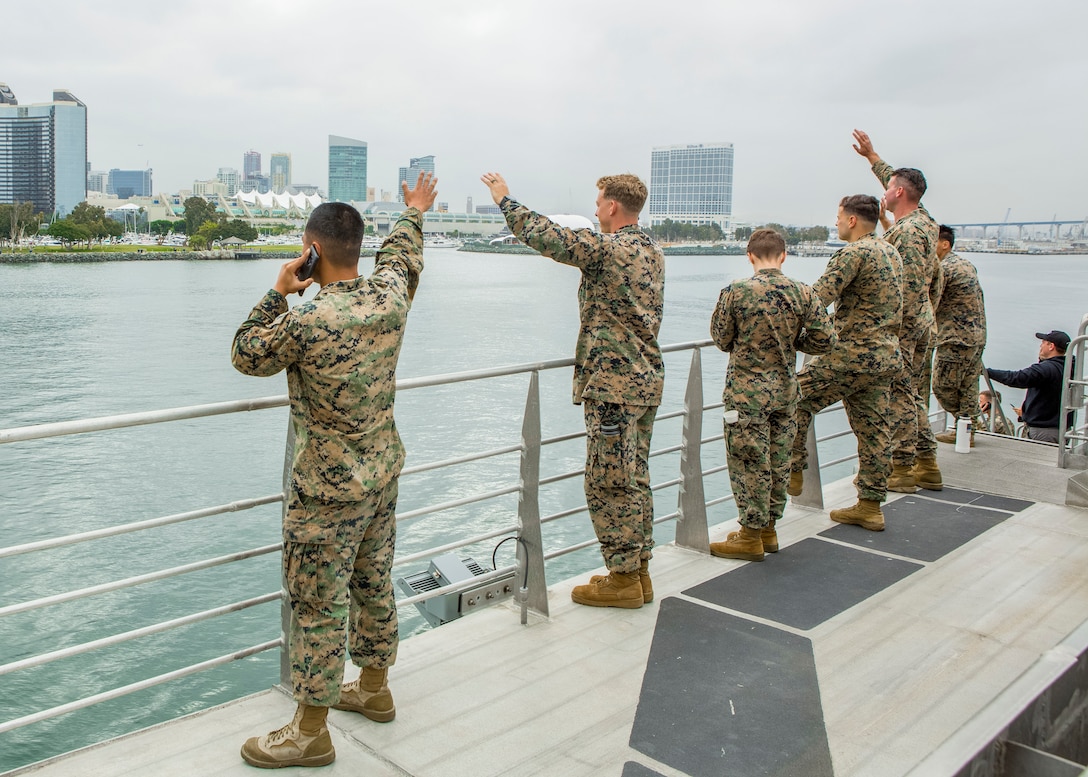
915	238
763	321
961	336
863	280
618	370
340	351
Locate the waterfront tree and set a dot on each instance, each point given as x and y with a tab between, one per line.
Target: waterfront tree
16	219
68	232
238	228
198	211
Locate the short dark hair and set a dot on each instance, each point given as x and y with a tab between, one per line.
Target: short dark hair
766	244
945	232
865	206
911	179
339	228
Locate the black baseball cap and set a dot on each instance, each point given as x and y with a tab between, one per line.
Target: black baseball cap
1059	338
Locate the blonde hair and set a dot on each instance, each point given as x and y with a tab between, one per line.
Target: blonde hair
627	189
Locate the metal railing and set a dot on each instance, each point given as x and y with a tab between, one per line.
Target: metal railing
1073	440
690	516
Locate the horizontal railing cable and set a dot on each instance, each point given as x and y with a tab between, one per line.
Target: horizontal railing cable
156	628
124	690
128	582
113	531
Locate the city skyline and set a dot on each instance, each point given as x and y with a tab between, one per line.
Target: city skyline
988	104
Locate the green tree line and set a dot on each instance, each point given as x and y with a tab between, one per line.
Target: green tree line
792	235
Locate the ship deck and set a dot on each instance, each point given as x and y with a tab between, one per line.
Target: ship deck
846	653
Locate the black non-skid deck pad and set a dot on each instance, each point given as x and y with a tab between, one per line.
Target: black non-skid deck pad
724	695
977	499
921	528
632	769
804	584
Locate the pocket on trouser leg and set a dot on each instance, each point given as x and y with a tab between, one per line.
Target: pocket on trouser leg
610	459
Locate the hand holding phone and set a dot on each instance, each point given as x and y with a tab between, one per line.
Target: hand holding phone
307	268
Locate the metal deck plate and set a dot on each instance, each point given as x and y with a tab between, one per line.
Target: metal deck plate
806	583
921	528
714	681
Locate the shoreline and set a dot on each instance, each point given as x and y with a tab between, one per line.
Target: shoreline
98	257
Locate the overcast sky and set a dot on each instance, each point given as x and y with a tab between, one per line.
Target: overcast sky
989	99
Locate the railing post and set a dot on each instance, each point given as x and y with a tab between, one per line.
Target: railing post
285	604
812	494
691	528
531	546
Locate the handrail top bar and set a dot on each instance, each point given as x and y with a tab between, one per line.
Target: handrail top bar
125	420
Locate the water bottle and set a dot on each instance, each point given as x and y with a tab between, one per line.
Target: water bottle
963	435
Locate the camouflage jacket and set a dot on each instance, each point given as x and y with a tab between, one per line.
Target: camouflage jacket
961	313
862	279
620	302
764	321
915	238
340	351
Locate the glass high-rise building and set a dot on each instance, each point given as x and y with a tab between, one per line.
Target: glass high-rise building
279	172
416	165
692	184
251	165
124	184
347	169
43	152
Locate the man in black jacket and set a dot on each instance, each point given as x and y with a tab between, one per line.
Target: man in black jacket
1043	380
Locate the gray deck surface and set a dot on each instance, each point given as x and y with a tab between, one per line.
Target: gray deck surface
879	649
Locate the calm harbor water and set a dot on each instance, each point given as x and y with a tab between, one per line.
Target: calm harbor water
80	341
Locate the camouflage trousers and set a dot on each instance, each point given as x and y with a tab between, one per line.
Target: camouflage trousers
758	454
340	591
911	432
955	380
866	399
617	482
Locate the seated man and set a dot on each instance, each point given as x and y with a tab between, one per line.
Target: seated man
1043	380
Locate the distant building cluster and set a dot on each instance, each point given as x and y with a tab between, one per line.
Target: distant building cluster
43	160
43	152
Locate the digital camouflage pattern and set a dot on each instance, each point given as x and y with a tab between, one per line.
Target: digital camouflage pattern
955	380
620	301
340	350
961	312
961	338
863	281
866	400
617	482
763	321
341	592
915	238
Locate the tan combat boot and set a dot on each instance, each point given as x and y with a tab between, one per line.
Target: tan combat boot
369	695
926	472
643	579
797	483
769	537
745	545
866	514
305	741
902	479
616	589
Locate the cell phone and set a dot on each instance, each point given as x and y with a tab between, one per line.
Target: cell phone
307	268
